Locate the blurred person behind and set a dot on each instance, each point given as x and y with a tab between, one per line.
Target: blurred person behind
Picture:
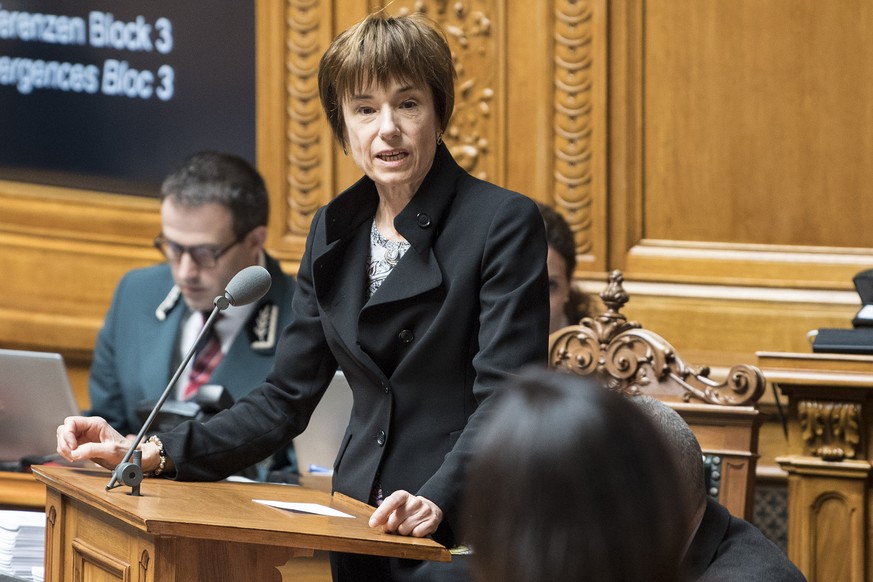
569	481
567	303
214	210
721	547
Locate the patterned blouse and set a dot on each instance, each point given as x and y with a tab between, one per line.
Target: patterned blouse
384	255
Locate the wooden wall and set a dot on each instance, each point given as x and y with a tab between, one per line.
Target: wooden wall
715	151
736	165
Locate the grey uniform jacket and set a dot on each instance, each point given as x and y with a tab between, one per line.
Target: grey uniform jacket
134	354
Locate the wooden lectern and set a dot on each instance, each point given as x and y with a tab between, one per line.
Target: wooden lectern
195	532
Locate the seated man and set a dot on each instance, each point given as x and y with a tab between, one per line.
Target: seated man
214	210
723	547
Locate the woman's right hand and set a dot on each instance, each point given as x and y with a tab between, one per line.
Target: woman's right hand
90	438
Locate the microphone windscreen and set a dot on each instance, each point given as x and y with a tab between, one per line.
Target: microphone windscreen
248	285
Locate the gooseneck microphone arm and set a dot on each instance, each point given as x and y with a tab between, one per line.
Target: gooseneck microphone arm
124	467
246	287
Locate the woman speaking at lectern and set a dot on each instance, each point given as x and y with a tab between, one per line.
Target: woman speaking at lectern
425	285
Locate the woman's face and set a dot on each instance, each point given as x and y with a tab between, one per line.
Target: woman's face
559	290
392	134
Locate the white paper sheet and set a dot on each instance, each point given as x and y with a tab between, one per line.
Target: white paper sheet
312	508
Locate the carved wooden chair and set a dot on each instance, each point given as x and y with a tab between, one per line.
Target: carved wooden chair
632	360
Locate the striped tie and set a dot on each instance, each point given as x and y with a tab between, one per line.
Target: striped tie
206	360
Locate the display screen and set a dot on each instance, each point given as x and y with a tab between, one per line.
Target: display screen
111	95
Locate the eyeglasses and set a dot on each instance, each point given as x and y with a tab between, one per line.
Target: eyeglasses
205	256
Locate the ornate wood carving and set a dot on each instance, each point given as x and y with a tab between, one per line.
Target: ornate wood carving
573	117
144	560
305	166
830	430
634	360
473	133
51	535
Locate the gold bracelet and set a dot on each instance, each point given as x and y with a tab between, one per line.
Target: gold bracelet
161	454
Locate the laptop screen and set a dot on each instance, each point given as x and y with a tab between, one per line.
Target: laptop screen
35	397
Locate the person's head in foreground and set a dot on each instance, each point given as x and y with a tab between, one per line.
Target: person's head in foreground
686	448
570	481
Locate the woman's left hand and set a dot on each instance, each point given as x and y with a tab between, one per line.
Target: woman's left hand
407	514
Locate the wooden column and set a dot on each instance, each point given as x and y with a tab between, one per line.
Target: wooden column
830	398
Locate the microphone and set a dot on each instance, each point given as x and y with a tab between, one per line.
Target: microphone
247	286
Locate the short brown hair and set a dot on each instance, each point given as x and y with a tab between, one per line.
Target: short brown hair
383	49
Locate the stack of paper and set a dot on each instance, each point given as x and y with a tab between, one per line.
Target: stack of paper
22	544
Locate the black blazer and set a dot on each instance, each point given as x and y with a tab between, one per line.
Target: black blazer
466	304
729	549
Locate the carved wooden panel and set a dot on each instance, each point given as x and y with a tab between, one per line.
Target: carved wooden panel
829	492
90	563
831	430
749	122
833	520
631	360
53	537
735	134
726	149
579	118
828	522
306	136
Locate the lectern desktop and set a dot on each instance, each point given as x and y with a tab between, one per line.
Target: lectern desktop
195	532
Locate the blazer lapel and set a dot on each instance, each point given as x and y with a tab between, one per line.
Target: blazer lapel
414	275
340	260
340	257
340	281
419	223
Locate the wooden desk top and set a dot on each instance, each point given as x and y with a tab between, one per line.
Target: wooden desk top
817	361
837	371
225	511
21	491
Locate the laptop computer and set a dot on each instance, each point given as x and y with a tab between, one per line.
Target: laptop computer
317	446
35	397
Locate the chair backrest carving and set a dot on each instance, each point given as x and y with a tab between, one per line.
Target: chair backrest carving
632	360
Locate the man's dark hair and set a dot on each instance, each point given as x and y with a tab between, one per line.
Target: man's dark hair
221	178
